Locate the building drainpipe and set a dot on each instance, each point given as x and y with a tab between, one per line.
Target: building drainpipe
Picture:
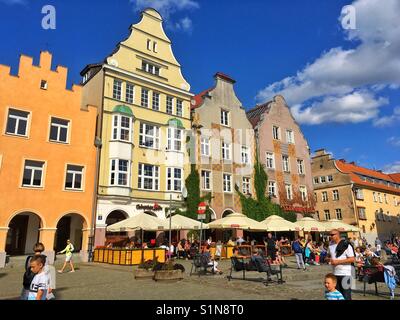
353	191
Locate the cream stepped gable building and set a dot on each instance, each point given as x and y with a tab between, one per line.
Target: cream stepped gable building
145	111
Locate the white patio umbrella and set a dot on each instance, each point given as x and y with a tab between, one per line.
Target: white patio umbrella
141	221
310	224
277	223
340	225
237	221
184	223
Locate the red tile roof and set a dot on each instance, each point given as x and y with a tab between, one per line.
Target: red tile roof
354	171
395	177
197	100
254	115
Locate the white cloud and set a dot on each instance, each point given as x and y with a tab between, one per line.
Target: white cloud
333	87
392	167
14	2
394	141
387	121
167	8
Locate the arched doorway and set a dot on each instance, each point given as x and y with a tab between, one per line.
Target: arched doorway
23	233
114	217
70	227
226	212
228	233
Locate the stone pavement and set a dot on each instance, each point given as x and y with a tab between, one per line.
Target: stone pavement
95	281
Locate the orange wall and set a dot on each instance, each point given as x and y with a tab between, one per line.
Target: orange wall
23	92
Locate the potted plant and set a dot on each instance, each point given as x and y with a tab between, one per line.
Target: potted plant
145	269
168	271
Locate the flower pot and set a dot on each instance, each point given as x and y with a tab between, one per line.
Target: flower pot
163	275
143	274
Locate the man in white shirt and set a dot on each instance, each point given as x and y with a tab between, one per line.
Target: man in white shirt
342	259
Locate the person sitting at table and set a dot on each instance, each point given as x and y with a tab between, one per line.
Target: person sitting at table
260	263
207	256
279	259
230	243
187	249
180	250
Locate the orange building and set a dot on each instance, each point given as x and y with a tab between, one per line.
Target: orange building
47	160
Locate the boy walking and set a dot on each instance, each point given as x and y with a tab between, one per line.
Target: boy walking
330	285
39	285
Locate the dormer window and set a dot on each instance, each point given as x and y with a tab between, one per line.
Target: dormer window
43	84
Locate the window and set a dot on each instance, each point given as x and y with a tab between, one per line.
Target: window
121	127
361	214
380	197
289	193
17	122
155	47
225	117
272	188
374	196
395	201
73	180
327	215
285	164
174	179
323	179
330	178
335	195
148	44
289	136
145	98
226	151
33	173
119	172
150	68
156	101
316	180
339	214
169	104
43	84
59	130
179	108
276	133
270	164
227	182
359	194
245	155
129	94
117	88
324	196
303	193
174	139
315	197
385	198
300	166
149	136
148	177
246	185
206	180
205	146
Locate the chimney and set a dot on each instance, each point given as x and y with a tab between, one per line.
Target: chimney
342	160
353	163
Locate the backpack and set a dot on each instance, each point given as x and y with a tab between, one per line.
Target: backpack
28	275
296	247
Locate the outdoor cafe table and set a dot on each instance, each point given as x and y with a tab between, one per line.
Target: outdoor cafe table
128	257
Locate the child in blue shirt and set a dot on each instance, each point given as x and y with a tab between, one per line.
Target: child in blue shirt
330	284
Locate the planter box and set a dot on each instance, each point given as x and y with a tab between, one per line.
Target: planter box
168	275
143	274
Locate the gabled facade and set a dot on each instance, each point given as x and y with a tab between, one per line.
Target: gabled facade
225	149
145	111
285	154
369	199
47	160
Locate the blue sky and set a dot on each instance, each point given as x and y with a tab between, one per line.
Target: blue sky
342	85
